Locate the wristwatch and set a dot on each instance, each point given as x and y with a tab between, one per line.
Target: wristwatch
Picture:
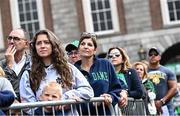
162	101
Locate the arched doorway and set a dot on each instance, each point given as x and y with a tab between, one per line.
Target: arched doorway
171	59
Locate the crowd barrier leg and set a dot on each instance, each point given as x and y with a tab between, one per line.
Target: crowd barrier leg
135	107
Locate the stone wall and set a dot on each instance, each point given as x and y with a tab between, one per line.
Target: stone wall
137	15
65	19
138	23
162	39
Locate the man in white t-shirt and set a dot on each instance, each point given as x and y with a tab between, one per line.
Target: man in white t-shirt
16	58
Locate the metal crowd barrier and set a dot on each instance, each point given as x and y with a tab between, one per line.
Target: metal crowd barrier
134	107
20	108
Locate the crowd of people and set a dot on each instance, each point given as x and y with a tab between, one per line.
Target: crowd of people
41	70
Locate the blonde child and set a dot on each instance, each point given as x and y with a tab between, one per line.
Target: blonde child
51	92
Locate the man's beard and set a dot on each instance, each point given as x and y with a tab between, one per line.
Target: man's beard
154	62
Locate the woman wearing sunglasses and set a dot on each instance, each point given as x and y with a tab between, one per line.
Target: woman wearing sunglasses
100	74
120	60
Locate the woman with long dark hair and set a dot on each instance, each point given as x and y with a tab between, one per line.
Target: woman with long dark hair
50	64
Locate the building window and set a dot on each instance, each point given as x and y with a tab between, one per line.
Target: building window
170	12
28	15
1	34
174	10
100	16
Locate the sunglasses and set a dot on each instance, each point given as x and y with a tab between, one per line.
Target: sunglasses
88	35
153	53
14	38
113	55
71	53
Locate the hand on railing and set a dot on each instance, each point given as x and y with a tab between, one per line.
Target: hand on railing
15	112
78	99
67	106
123	101
107	98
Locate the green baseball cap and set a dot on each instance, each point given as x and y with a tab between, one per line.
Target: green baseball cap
72	46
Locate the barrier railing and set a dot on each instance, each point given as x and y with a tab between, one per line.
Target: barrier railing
23	108
135	107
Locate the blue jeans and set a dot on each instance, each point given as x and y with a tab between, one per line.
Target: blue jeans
171	109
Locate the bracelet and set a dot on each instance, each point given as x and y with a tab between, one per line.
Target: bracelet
125	91
162	101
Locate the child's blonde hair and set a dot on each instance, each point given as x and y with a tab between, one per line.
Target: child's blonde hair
2	73
54	85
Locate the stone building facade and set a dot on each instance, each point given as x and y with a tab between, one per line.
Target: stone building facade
141	28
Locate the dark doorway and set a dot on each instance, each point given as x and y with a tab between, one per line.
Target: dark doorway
171	55
171	59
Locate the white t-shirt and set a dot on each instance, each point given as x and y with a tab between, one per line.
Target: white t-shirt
18	66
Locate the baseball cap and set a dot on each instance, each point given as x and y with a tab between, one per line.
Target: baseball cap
71	46
154	49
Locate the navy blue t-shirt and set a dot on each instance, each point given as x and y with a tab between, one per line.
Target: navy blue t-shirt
160	78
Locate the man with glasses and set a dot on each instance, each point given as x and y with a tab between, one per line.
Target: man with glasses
16	58
72	51
164	82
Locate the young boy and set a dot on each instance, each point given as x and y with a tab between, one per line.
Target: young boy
51	92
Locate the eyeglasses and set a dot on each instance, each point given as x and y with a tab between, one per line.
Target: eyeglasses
88	35
14	38
113	55
73	53
153	53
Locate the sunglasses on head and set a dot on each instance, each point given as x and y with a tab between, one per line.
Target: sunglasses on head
113	55
14	38
88	35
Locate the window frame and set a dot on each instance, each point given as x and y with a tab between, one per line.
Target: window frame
15	18
165	14
88	18
1	34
